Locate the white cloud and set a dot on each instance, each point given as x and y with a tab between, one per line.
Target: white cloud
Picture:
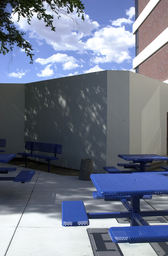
69	31
120	21
46	72
130	12
73	74
70	65
111	44
108	44
69	62
55	58
18	74
94	69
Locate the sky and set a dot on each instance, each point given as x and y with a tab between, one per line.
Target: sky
104	41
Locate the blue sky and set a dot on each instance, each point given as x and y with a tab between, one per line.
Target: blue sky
104	41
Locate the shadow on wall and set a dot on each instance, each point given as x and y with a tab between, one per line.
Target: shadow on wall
71	111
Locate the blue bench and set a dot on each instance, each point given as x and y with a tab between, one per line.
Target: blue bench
23	176
116	198
139	234
41	147
5	170
111	169
165	167
74	214
109	198
2	144
132	165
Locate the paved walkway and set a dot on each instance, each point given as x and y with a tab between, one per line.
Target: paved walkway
30	219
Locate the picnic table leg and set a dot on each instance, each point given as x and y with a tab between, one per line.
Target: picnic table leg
48	165
135	203
142	166
26	161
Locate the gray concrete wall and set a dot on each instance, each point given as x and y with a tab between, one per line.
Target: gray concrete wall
71	111
12	104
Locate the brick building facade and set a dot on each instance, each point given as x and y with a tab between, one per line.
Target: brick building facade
151	31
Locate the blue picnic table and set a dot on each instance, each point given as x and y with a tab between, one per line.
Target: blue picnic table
142	159
23	176
135	185
130	185
2	144
4	158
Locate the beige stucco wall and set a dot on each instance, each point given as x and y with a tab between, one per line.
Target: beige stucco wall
117	115
148	115
137	109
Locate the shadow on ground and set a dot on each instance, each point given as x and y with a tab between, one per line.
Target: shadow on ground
31	164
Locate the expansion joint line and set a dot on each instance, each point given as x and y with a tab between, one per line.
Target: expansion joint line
21	216
155	209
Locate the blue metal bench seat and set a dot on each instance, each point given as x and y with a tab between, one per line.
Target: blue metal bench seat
2	144
135	166
41	147
7	169
114	170
165	167
74	214
96	195
24	176
139	234
111	169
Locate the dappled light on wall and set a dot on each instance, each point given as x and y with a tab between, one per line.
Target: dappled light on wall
71	111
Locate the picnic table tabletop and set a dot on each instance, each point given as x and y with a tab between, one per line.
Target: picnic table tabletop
143	157
132	184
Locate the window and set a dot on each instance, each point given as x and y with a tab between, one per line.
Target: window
136	9
137	43
137	70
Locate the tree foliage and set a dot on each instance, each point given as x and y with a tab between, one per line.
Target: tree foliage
10	35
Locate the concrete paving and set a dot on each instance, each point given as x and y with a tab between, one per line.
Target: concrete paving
31	218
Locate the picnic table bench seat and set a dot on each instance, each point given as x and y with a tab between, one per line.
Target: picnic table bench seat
135	166
74	214
2	144
113	169
96	195
139	234
5	170
48	148
165	167
24	176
